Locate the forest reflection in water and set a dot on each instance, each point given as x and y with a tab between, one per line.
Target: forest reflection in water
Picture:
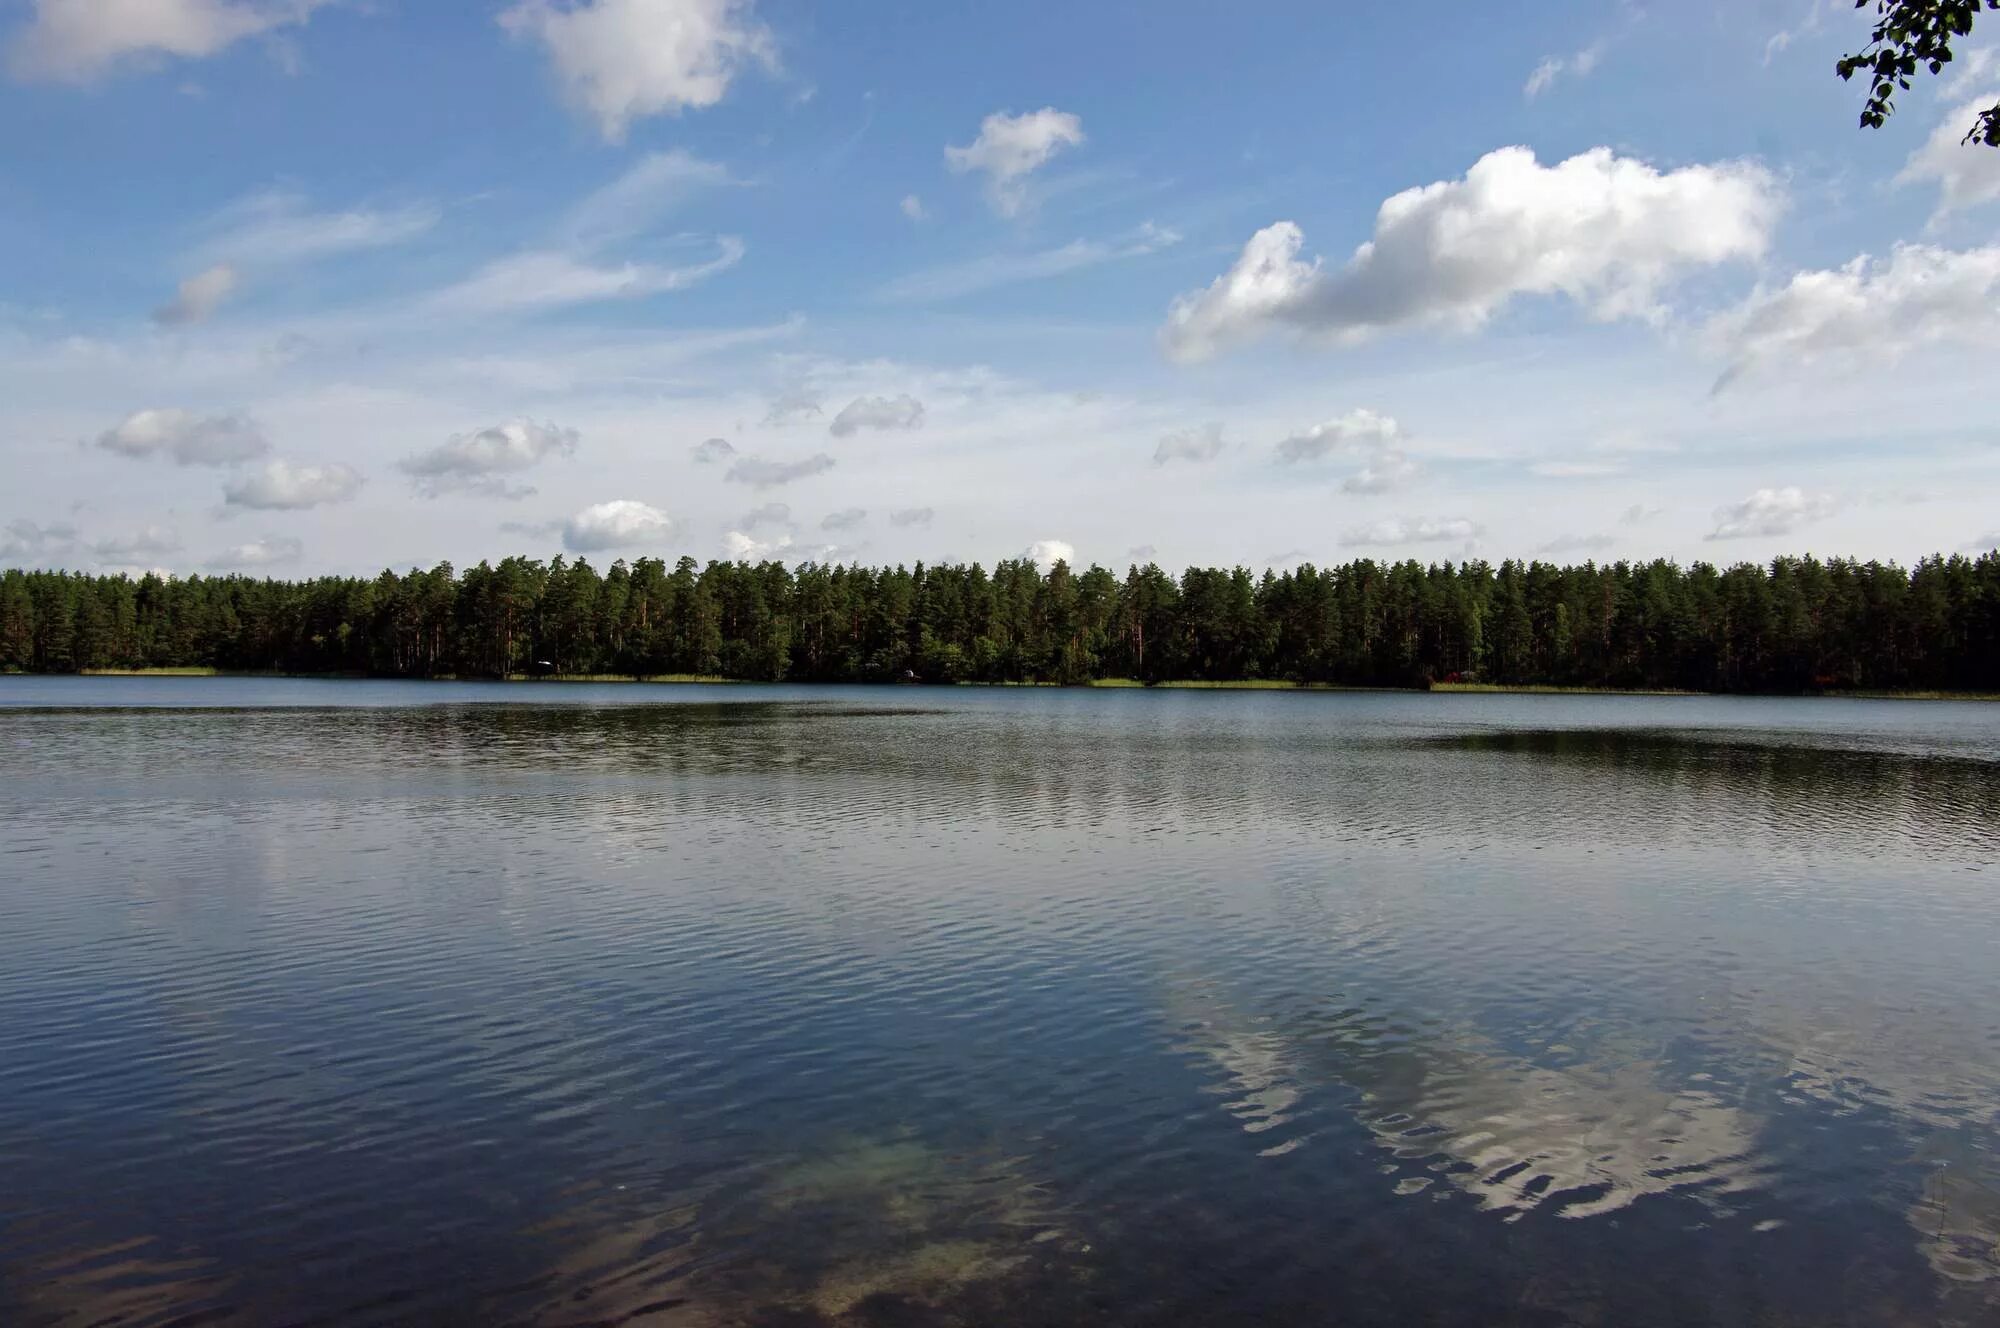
906	1006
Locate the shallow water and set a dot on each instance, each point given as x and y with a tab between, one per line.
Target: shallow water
332	1002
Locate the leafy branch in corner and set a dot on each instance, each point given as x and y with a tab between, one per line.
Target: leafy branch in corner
1910	34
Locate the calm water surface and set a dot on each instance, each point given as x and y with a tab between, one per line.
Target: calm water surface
350	1003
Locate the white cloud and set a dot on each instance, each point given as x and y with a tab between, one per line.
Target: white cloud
1047	553
1425	530
761	474
770	514
1385	466
1816	11
1922	295
1605	231
190	439
1577	544
791	406
845	519
1011	147
619	524
26	543
198	297
1356	429
278	227
913	207
653	187
957	279
1966	175
1201	443
1770	512
278	485
900	412
1553	67
1387	470
1576	470
1543	77
546	279
710	451
141	547
739	547
622	60
1973	69
478	462
74	41
270	551
911	516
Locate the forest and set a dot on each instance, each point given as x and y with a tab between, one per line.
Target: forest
1797	625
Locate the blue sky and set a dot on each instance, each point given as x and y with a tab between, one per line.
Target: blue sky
322	285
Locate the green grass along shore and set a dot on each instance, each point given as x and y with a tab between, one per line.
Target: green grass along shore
1241	685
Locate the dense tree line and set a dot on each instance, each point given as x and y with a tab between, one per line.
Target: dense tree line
1796	625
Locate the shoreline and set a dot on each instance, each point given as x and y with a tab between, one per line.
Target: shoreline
1111	684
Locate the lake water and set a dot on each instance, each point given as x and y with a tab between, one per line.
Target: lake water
348	1003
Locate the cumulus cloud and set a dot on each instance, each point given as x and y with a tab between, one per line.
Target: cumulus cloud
549	279
1770	512
1372	436
712	451
1048	552
188	438
770	514
1965	176
197	298
739	547
1424	530
75	41
845	519
1010	148
283	487
761	474
1921	296
956	279
25	543
1604	231
622	60
276	227
271	551
142	546
911	516
913	207
901	412
479	462
1355	430
1201	443
619	524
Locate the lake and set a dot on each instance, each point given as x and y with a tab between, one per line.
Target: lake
374	1002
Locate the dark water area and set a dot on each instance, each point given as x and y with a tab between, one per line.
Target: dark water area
380	1003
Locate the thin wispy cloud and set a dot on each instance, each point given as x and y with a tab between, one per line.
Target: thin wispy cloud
992	271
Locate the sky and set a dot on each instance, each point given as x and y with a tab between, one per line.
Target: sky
293	287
